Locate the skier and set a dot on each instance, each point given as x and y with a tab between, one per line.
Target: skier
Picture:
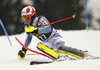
52	42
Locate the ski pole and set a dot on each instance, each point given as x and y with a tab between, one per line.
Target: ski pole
58	21
32	54
61	20
5	32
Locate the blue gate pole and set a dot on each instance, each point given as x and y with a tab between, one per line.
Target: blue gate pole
5	32
86	14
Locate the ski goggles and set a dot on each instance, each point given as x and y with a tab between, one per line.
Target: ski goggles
26	17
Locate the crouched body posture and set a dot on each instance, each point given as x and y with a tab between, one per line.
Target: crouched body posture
52	42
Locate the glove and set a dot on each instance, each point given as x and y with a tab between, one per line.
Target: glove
31	30
21	54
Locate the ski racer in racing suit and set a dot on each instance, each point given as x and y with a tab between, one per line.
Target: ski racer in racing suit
52	42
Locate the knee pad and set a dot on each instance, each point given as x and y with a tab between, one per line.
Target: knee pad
71	51
48	51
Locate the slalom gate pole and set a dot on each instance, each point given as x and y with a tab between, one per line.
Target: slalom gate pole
5	32
62	20
86	14
34	51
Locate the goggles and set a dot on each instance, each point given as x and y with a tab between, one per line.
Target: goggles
27	17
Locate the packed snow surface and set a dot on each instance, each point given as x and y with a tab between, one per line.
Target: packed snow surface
84	40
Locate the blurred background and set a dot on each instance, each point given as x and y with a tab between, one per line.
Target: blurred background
53	10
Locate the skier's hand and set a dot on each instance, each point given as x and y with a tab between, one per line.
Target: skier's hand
31	30
21	54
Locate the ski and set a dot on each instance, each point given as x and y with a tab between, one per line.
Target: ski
39	62
88	57
66	57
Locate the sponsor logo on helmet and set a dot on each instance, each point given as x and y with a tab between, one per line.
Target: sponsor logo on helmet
32	13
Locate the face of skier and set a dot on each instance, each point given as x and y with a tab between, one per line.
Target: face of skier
27	19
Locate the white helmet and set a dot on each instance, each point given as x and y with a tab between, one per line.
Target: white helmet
28	10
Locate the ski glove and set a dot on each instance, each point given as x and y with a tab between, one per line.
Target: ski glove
21	54
31	29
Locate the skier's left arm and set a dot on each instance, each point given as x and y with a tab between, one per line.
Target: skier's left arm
43	27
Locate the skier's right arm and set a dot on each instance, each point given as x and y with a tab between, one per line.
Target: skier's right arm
27	41
22	53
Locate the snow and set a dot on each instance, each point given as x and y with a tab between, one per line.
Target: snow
82	39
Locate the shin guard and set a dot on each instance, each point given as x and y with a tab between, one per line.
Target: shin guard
71	51
47	50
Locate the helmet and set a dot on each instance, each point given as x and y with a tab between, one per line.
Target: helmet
28	12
